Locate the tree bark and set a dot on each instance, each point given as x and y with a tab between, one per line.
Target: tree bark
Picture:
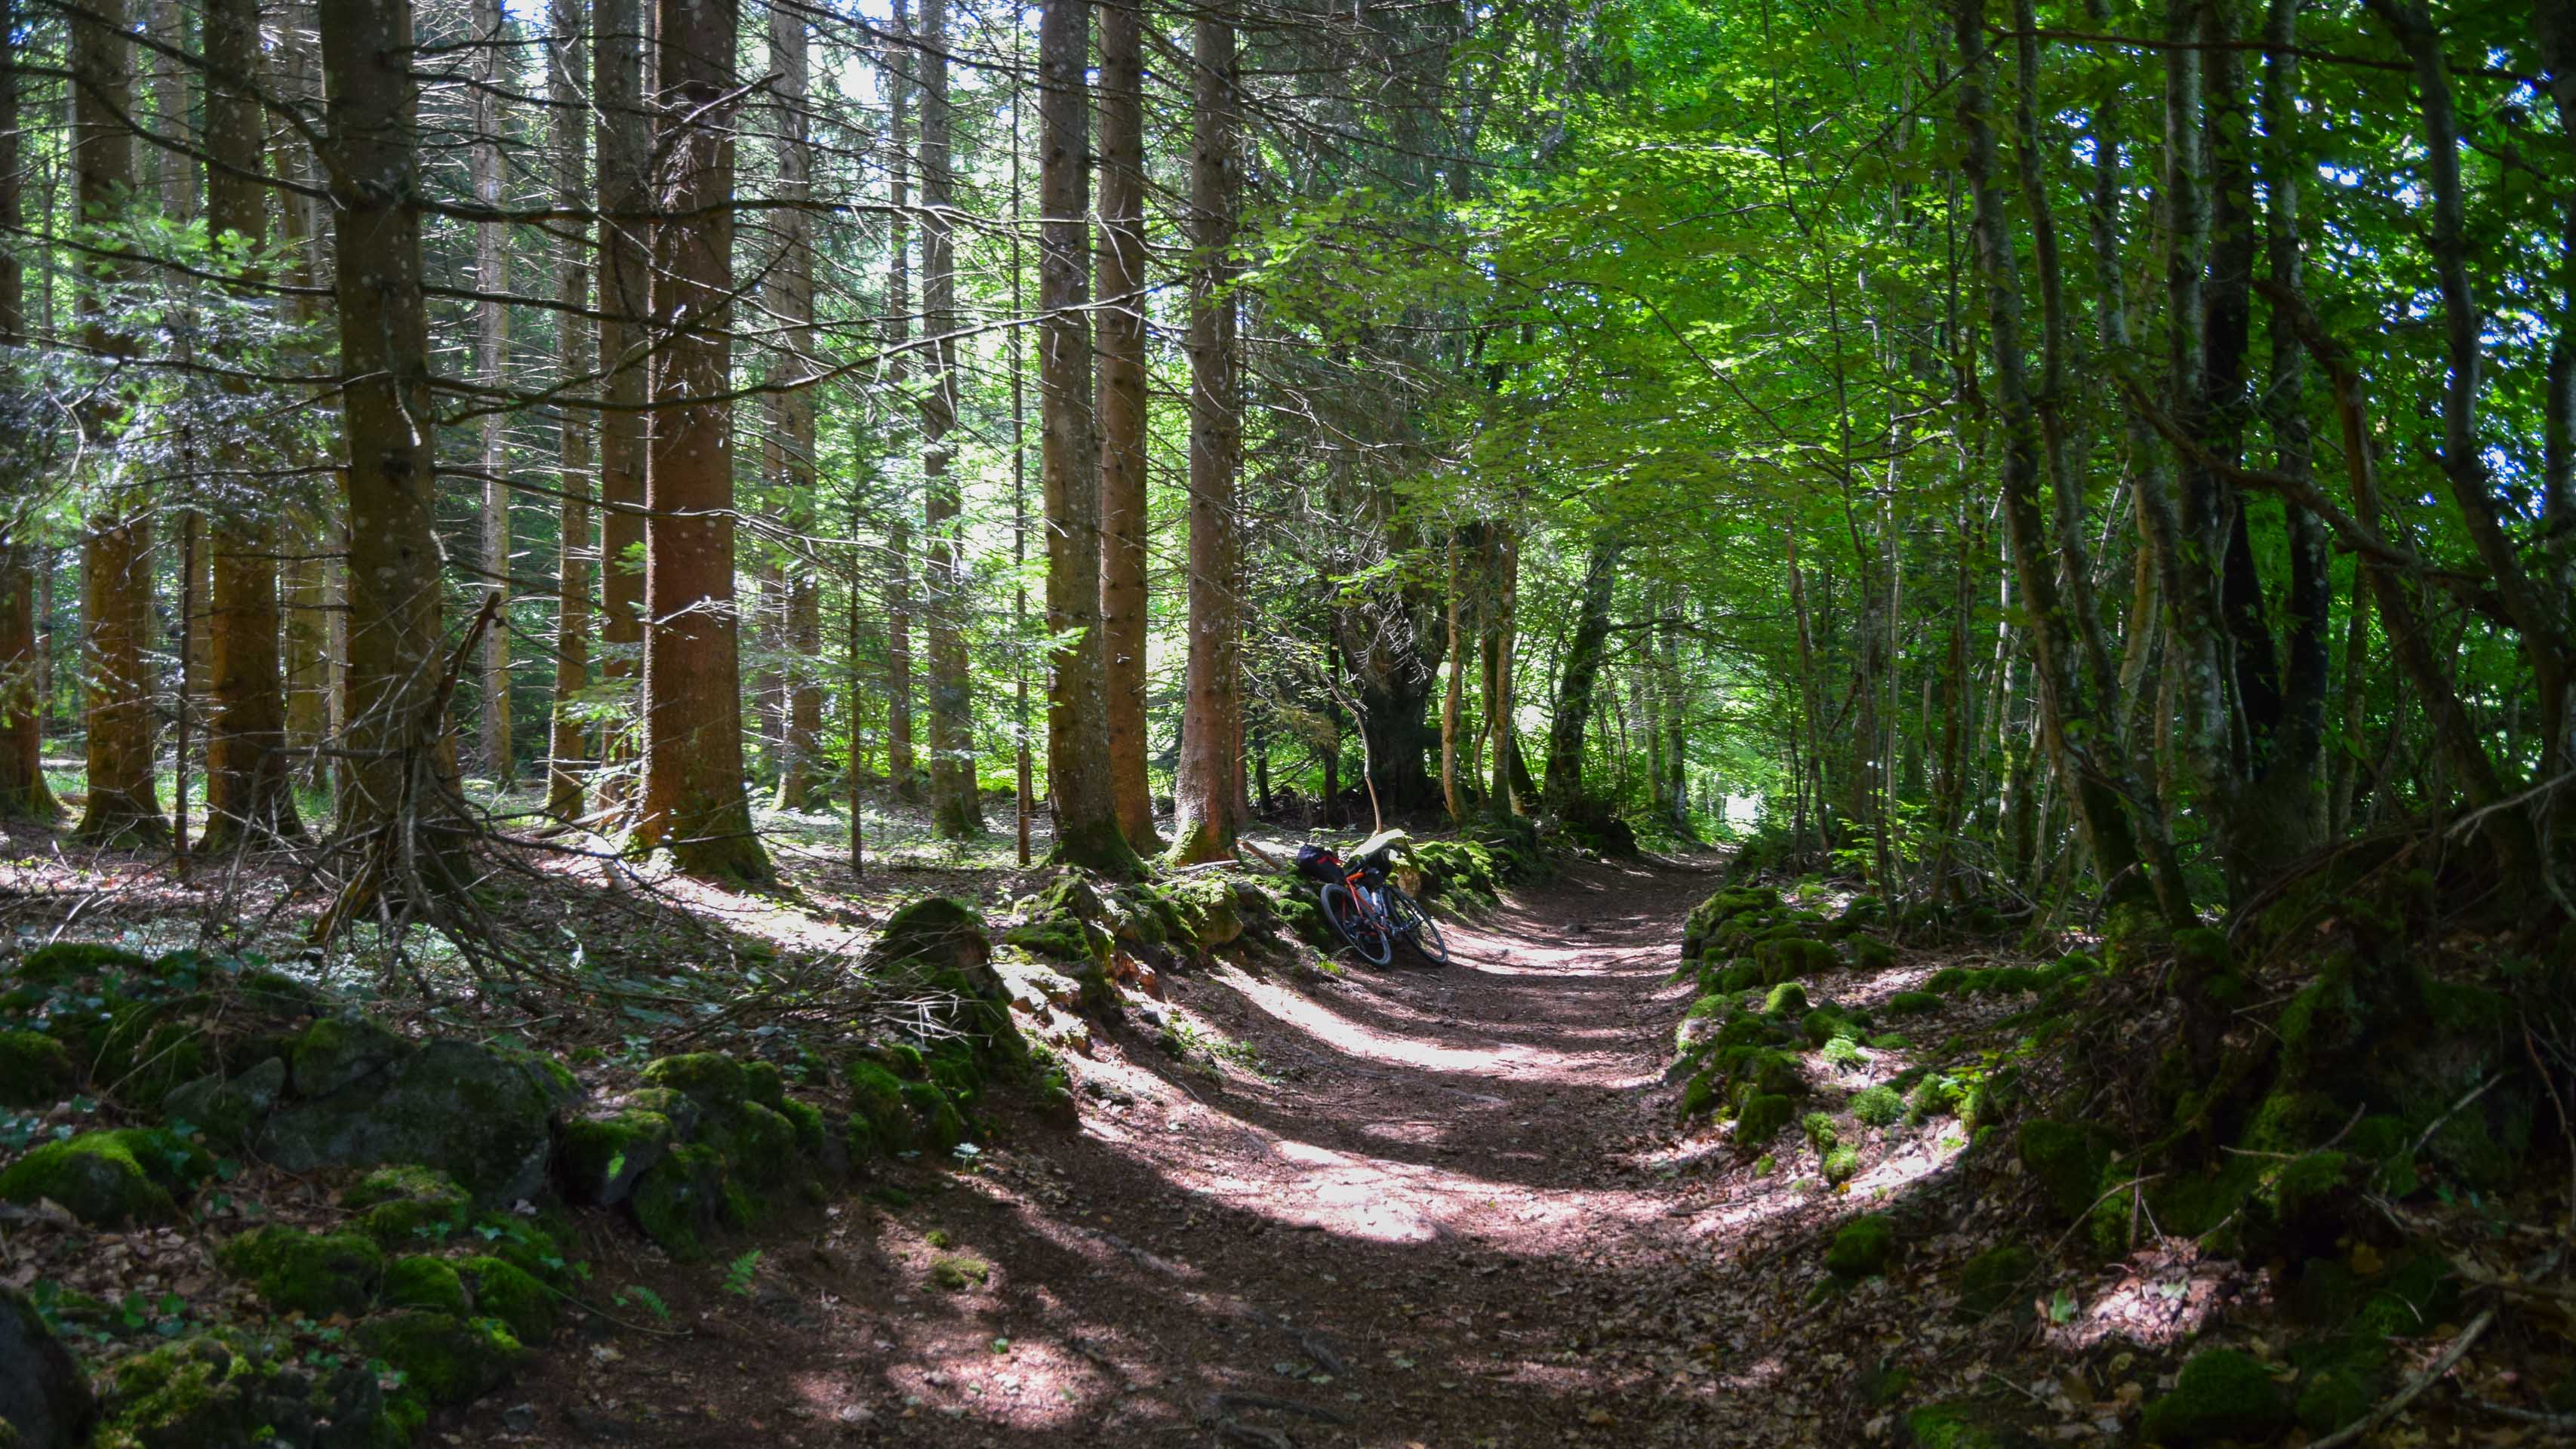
1207	791
619	138
1508	794
1078	776
956	807
1122	412
568	748
116	550
249	789
491	358
902	771
693	800
23	793
392	775
793	459
1565	794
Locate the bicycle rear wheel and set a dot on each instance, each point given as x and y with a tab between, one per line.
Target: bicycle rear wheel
1415	926
1356	924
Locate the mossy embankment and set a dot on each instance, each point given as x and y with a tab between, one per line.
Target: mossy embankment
2321	1131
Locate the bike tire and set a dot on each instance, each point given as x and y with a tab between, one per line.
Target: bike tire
1415	925
1352	923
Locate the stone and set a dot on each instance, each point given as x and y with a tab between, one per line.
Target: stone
511	1294
229	1112
476	1113
404	1206
224	1390
111	1179
44	1397
446	1360
35	1070
337	1051
426	1282
603	1157
316	1274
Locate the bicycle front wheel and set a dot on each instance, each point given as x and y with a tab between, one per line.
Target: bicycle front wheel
1415	925
1356	924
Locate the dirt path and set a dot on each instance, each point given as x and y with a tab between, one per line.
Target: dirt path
1407	1207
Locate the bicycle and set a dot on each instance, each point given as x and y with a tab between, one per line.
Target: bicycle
1370	912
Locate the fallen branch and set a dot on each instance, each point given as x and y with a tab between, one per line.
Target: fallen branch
2425	1380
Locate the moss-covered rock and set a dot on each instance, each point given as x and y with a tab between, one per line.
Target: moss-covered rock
1996	1279
1877	1106
1786	999
35	1070
1862	1248
477	1113
407	1205
1841	1165
681	1199
941	1125
876	1099
64	962
335	1052
942	930
1948	981
956	1274
2068	1161
1209	908
1950	1426
228	1111
45	1400
2222	1393
813	1137
518	1298
711	1079
1760	1117
227	1390
446	1360
1912	1003
311	1273
600	1158
1868	953
421	1281
1796	956
111	1179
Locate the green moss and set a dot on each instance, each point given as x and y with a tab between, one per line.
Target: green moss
600	1158
1869	953
35	1070
764	1083
1796	956
1760	1118
876	1096
711	1079
759	1145
812	1136
2223	1393
1700	1093
2010	981
111	1179
933	927
1841	1053
67	961
1739	976
1949	1426
1862	1248
1841	1165
401	1206
1912	1003
1786	999
942	1126
2341	1379
1948	981
1877	1106
1996	1278
446	1360
2068	1161
518	1298
311	1273
425	1282
335	1051
1820	1131
956	1274
679	1200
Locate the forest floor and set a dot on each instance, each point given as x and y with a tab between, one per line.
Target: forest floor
1408	1207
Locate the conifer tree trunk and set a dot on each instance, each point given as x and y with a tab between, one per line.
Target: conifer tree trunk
116	552
568	744
1207	791
23	794
491	357
1078	777
394	764
619	138
1506	795
249	789
1574	685
791	431
693	801
955	809
902	770
1122	412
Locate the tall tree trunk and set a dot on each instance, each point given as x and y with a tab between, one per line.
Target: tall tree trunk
2555	22
491	360
116	550
1206	792
1463	557
1565	794
693	800
249	789
1078	775
23	794
391	779
2069	724
568	748
956	809
620	142
792	442
902	772
1122	412
1497	645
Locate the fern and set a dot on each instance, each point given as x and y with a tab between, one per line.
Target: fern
739	1273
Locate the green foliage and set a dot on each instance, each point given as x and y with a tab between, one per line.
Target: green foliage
1877	1106
1862	1248
2222	1393
310	1273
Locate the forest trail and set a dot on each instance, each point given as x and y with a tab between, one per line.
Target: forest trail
1393	1209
